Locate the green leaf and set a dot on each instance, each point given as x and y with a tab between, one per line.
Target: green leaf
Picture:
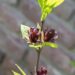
24	31
45	13
40	3
22	72
36	46
15	73
47	6
58	2
43	44
53	45
44	3
72	63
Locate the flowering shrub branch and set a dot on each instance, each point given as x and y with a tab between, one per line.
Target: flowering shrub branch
38	37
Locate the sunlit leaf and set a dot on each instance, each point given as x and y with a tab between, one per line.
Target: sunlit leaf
45	3
43	44
40	3
54	3
58	2
47	6
50	44
23	73
45	13
24	31
50	2
15	73
36	46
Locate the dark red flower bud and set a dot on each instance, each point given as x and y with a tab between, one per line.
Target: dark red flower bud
34	35
49	35
42	71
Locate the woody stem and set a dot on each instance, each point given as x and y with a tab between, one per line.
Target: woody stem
38	59
39	51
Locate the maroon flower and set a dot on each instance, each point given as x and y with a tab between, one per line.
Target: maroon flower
50	35
42	71
37	38
34	35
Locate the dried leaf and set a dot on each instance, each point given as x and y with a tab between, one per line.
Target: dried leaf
24	31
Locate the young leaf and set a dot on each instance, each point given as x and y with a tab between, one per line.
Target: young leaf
53	45
24	31
58	2
40	45
45	13
48	3
36	46
15	73
40	2
22	72
47	6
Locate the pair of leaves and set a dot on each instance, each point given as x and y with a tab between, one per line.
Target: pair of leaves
37	46
47	6
22	72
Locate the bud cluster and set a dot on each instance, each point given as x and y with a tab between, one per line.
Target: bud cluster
49	35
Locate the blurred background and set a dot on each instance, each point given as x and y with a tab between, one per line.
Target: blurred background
13	49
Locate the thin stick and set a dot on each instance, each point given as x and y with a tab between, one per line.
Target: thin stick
39	51
42	23
38	59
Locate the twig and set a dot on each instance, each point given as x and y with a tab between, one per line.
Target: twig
42	23
38	59
39	51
